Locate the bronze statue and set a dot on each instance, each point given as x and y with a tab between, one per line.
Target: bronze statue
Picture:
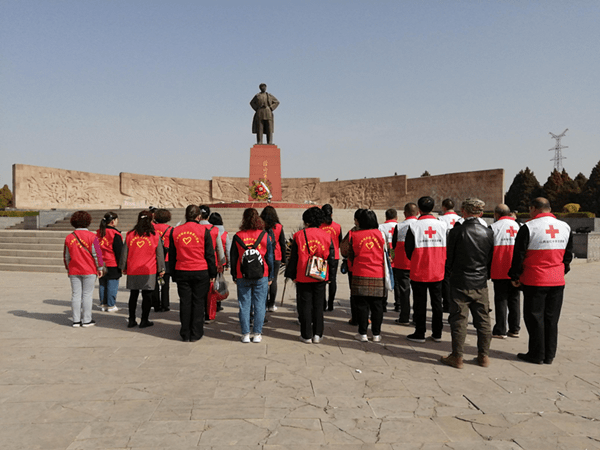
263	104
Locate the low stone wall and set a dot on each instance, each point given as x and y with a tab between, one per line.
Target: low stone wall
46	188
7	222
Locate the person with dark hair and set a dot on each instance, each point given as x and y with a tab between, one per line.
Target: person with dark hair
401	265
275	230
344	251
252	292
111	243
220	258
216	220
335	230
142	258
367	253
82	257
310	292
192	265
425	247
449	217
541	258
507	302
470	251
388	228
160	298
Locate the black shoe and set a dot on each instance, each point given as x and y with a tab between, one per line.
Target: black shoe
166	309
266	320
194	339
400	322
525	357
184	339
219	308
146	324
396	308
416	338
132	323
548	361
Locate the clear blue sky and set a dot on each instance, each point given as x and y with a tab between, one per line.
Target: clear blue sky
367	88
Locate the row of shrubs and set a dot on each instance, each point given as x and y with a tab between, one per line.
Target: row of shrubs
19	213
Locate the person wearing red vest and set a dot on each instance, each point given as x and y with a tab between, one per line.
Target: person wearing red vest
252	292
344	251
192	265
335	231
367	253
160	298
542	256
275	230
141	259
425	247
507	302
220	259
111	243
216	220
310	292
401	265
82	257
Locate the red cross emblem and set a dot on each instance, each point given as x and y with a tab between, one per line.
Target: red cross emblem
453	222
552	231
511	231
430	232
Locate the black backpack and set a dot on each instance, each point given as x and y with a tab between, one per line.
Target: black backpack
252	264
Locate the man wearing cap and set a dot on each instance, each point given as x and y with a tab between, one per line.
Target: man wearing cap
507	302
541	258
469	256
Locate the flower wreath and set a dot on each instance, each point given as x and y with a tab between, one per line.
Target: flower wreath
257	189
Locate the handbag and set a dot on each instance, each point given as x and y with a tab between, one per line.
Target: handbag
387	265
316	267
220	287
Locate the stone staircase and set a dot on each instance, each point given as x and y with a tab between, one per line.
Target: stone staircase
42	250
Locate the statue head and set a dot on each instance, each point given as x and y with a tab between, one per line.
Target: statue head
262	87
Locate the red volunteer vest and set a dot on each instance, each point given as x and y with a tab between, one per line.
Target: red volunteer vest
334	230
319	242
82	262
277	229
505	232
543	263
106	244
450	219
214	234
249	237
429	256
141	253
161	228
189	245
400	260
368	247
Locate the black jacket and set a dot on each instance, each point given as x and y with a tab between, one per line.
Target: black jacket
469	255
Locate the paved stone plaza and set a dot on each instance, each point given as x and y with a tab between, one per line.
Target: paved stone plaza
109	387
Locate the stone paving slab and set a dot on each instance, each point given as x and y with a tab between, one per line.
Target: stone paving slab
109	387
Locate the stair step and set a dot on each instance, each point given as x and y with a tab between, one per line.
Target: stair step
31	268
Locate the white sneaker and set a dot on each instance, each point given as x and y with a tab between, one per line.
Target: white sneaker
272	308
113	309
306	341
377	338
361	337
316	339
257	338
246	338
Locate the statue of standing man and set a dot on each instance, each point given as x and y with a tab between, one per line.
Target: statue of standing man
263	104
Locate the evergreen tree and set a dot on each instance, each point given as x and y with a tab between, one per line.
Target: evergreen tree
580	180
426	174
524	188
590	194
560	189
5	197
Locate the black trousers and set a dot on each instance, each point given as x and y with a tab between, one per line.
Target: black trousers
446	293
375	306
272	292
332	284
309	301
192	299
353	312
507	307
420	306
541	311
160	296
146	303
402	293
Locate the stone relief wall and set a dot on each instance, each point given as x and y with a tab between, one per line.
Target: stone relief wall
372	193
45	188
163	191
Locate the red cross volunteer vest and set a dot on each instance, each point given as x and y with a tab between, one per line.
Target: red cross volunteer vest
400	260
505	232
429	256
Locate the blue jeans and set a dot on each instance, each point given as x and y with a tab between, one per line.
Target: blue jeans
108	291
252	293
82	288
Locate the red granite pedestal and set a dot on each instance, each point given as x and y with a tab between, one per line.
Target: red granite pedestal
265	164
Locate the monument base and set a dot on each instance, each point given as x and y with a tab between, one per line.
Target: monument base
265	166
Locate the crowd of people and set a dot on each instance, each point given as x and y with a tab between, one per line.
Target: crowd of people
450	257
